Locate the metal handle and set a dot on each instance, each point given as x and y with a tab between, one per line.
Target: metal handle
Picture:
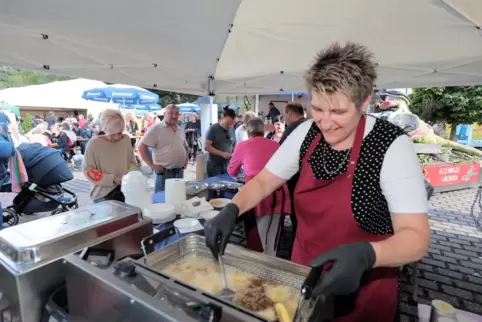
223	272
148	244
311	280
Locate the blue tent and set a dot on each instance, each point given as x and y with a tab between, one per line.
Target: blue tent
121	94
189	108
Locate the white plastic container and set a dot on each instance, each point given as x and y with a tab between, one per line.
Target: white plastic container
160	213
134	188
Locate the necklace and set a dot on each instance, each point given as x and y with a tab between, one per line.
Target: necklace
341	163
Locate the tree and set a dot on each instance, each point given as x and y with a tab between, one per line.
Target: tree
166	98
11	77
451	105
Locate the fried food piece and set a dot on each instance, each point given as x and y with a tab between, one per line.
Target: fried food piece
277	293
282	313
253	299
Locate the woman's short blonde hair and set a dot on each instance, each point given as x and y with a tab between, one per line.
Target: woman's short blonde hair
348	69
112	121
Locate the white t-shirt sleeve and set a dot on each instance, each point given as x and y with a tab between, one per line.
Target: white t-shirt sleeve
401	179
285	162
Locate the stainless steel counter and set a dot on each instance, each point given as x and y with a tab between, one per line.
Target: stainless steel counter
31	254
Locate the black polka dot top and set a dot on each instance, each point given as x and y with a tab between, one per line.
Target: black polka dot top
369	205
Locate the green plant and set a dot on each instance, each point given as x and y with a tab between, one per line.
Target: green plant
27	123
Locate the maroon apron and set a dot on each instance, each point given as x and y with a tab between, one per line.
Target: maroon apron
325	221
277	203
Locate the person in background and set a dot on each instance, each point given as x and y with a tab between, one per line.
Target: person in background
193	135
81	136
108	158
294	116
38	135
147	123
252	155
71	119
36	121
220	144
169	148
95	126
4	119
82	121
360	199
132	128
64	141
51	119
7	150
239	122
240	134
273	112
279	128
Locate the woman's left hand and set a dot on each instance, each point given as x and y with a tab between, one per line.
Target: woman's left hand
349	262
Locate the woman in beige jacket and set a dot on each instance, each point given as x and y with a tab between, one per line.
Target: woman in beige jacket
108	158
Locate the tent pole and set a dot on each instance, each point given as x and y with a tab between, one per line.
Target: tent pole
292	97
256	104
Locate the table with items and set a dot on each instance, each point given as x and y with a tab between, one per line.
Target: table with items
216	187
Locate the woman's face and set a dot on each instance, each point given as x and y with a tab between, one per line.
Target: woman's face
336	116
279	127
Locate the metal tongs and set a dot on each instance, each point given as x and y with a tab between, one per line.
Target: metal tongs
307	305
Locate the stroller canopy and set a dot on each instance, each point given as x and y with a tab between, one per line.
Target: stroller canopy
45	166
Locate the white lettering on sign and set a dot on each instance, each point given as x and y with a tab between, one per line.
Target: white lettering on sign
450	178
451	170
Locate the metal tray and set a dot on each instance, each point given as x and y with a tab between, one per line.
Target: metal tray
43	240
193	187
241	259
231	185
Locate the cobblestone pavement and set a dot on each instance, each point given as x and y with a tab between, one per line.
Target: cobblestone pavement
451	270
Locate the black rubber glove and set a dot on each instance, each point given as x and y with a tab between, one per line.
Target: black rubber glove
218	229
349	261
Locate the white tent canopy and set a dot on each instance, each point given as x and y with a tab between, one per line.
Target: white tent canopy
56	95
241	46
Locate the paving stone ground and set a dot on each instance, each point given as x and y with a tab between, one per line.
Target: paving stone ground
450	271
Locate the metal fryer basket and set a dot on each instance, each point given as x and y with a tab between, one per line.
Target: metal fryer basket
238	258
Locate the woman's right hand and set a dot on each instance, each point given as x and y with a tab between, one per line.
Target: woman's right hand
118	180
218	229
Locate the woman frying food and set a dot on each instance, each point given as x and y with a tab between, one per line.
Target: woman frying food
360	198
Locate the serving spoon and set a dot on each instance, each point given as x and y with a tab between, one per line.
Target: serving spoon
226	291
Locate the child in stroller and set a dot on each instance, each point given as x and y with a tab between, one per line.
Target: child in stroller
43	192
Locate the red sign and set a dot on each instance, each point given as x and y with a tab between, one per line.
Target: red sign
450	174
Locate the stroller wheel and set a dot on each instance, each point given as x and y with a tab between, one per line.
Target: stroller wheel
9	217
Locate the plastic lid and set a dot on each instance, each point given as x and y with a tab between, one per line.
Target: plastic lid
188	225
160	213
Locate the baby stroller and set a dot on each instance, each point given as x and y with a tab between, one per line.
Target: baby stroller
43	192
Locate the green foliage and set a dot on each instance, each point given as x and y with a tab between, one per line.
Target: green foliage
166	98
27	123
452	105
11	77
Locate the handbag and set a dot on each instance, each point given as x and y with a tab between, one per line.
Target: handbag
115	194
